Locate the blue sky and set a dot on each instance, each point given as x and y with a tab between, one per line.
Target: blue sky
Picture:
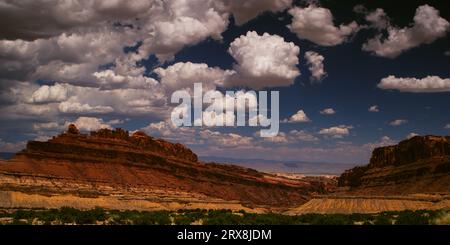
350	86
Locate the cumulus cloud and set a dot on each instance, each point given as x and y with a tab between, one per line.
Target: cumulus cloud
178	23
246	10
291	137
111	79
328	111
429	84
302	135
59	58
90	123
383	141
398	122
59	30
299	116
447	126
184	74
225	139
263	61
336	131
75	107
66	98
194	136
45	93
316	25
315	63
427	27
374	108
280	138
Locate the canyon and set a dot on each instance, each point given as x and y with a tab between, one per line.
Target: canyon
115	169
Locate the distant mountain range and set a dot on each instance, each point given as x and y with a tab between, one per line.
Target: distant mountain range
304	167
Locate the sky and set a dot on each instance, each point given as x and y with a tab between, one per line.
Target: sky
352	75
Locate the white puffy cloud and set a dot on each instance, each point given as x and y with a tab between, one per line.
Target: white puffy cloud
178	23
246	10
100	31
184	74
90	123
302	135
68	98
109	79
328	111
383	141
263	61
374	108
280	138
447	126
429	84
194	136
336	131
427	27
225	139
45	93
398	122
75	107
316	25
59	58
291	137
299	116
316	67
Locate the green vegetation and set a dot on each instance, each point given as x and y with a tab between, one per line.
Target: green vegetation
68	215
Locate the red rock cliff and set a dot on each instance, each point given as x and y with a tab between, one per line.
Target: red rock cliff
419	164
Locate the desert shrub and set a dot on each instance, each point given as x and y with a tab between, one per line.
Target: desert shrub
152	218
382	220
222	217
412	218
331	219
24	214
67	215
268	219
187	217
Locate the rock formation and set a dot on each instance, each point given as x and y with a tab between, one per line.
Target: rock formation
138	167
417	165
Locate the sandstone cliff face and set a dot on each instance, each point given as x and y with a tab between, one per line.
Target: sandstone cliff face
120	163
419	164
104	143
411	150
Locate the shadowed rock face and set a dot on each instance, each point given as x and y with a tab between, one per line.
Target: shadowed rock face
121	161
411	150
419	164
